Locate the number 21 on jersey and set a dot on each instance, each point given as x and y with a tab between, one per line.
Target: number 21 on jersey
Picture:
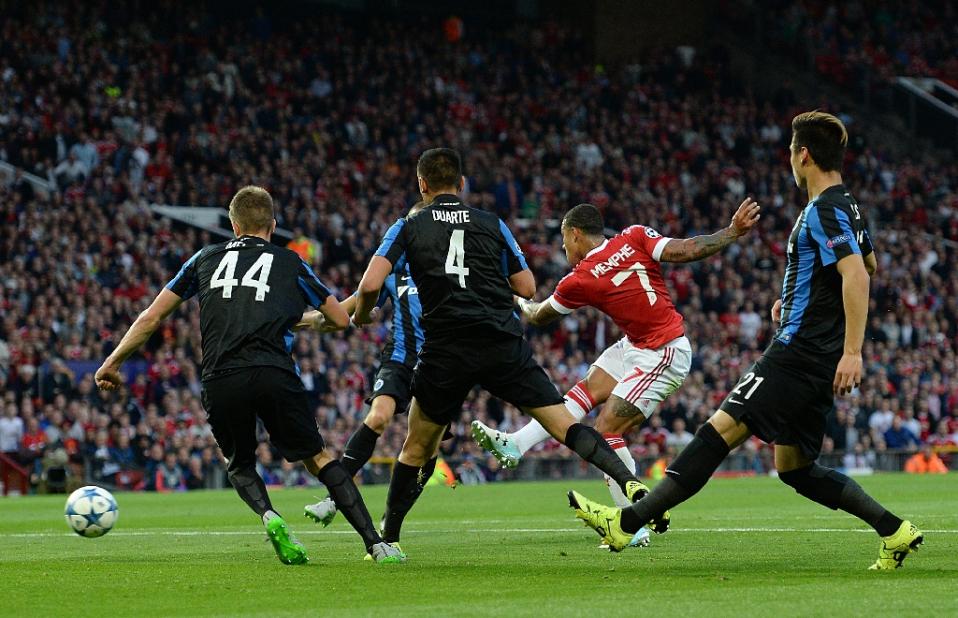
256	277
456	257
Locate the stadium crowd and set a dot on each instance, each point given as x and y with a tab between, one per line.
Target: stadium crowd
862	39
330	116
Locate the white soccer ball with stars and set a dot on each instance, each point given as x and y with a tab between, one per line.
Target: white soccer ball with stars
91	511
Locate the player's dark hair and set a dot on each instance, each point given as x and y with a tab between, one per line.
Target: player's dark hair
824	136
251	209
441	168
585	217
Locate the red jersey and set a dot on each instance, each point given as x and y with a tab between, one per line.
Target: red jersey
622	278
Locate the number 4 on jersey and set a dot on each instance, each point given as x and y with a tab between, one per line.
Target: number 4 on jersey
456	258
225	275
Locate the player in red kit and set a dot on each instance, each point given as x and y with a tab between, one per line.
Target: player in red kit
622	277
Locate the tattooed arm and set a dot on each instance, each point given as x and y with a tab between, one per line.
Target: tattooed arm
701	247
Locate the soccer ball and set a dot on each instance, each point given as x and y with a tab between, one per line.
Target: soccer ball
91	511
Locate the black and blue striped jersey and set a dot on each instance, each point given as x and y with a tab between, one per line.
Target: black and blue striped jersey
406	338
461	259
251	294
831	227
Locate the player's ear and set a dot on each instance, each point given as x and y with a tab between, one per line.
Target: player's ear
462	184
423	186
236	230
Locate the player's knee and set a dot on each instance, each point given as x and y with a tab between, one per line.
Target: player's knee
379	418
711	437
317	462
414	452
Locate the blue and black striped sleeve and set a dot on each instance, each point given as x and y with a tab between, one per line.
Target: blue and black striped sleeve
393	246
834	232
312	289
513	260
186	283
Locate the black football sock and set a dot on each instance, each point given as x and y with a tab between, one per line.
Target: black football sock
404	489
836	491
426	472
592	447
689	473
348	501
251	488
359	449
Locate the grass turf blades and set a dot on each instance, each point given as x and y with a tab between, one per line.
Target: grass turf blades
744	546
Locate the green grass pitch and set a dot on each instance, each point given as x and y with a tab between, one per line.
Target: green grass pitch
741	547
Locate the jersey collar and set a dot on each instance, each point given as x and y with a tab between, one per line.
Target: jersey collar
599	248
447	199
839	188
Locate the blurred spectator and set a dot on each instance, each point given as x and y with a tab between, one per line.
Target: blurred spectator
169	475
925	461
195	475
899	437
469	473
11	431
679	438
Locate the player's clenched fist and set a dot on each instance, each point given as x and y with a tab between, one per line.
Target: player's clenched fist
746	217
108	378
777	311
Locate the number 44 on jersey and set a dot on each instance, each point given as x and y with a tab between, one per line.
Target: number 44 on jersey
256	277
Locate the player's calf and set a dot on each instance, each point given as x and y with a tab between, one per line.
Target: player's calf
689	473
834	490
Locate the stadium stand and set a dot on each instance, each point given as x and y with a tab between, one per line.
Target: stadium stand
330	114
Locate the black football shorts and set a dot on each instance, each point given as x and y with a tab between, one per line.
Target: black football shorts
274	395
393	380
504	366
784	399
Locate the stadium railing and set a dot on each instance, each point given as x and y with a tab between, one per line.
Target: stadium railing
537	467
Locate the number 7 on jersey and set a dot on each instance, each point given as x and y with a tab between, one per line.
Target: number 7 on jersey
456	257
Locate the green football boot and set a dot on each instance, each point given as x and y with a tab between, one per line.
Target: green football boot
288	549
636	490
896	547
605	520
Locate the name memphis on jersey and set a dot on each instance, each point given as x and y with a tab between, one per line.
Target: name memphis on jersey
613	262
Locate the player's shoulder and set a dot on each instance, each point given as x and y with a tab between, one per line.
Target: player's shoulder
837	197
640	231
484	218
577	276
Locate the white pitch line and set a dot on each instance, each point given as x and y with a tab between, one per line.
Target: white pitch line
188	533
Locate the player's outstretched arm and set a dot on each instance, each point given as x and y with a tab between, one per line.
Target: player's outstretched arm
108	375
334	315
315	319
855	282
538	313
701	247
372	281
